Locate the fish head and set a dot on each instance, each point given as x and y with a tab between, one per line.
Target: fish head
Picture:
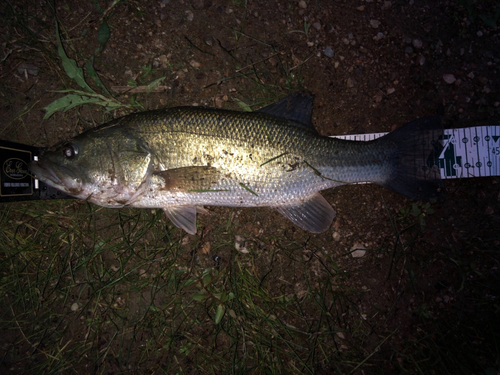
104	167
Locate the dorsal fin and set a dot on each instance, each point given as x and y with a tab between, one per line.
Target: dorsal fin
296	107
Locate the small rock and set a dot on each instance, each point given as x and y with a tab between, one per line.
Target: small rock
420	60
449	78
417	43
387	5
361	8
329	28
239	244
470	75
336	236
328	51
209	41
195	64
317	25
489	211
479	33
358	250
302	4
75	306
408	50
201	4
163	60
390	90
374	23
189	15
351	82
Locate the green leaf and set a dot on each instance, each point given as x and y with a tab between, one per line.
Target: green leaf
67	102
70	66
244	106
93	74
219	313
77	98
200	296
103	35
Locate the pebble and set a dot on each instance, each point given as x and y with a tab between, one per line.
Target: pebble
374	23
209	41
449	78
239	244
163	60
336	236
408	50
421	60
195	64
317	25
417	43
328	51
189	15
358	250
390	90
75	306
302	4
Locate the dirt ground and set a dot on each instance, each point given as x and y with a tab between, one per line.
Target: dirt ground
372	66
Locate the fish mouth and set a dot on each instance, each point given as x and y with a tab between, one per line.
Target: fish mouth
46	173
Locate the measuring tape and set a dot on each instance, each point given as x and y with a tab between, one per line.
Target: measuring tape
467	152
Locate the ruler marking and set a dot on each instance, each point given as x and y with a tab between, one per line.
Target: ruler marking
467	152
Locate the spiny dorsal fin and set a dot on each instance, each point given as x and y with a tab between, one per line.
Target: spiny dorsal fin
296	107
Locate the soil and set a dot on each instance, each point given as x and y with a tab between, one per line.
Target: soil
371	65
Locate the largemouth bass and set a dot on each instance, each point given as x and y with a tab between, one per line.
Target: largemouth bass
180	159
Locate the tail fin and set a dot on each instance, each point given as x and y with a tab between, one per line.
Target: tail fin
414	173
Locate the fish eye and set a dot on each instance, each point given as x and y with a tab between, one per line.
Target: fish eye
70	150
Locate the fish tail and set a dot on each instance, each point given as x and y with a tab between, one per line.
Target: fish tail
416	147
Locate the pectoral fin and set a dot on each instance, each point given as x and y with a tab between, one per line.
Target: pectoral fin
313	214
195	178
183	217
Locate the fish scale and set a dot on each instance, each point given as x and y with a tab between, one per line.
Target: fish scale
183	158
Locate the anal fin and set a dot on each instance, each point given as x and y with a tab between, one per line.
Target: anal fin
313	214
